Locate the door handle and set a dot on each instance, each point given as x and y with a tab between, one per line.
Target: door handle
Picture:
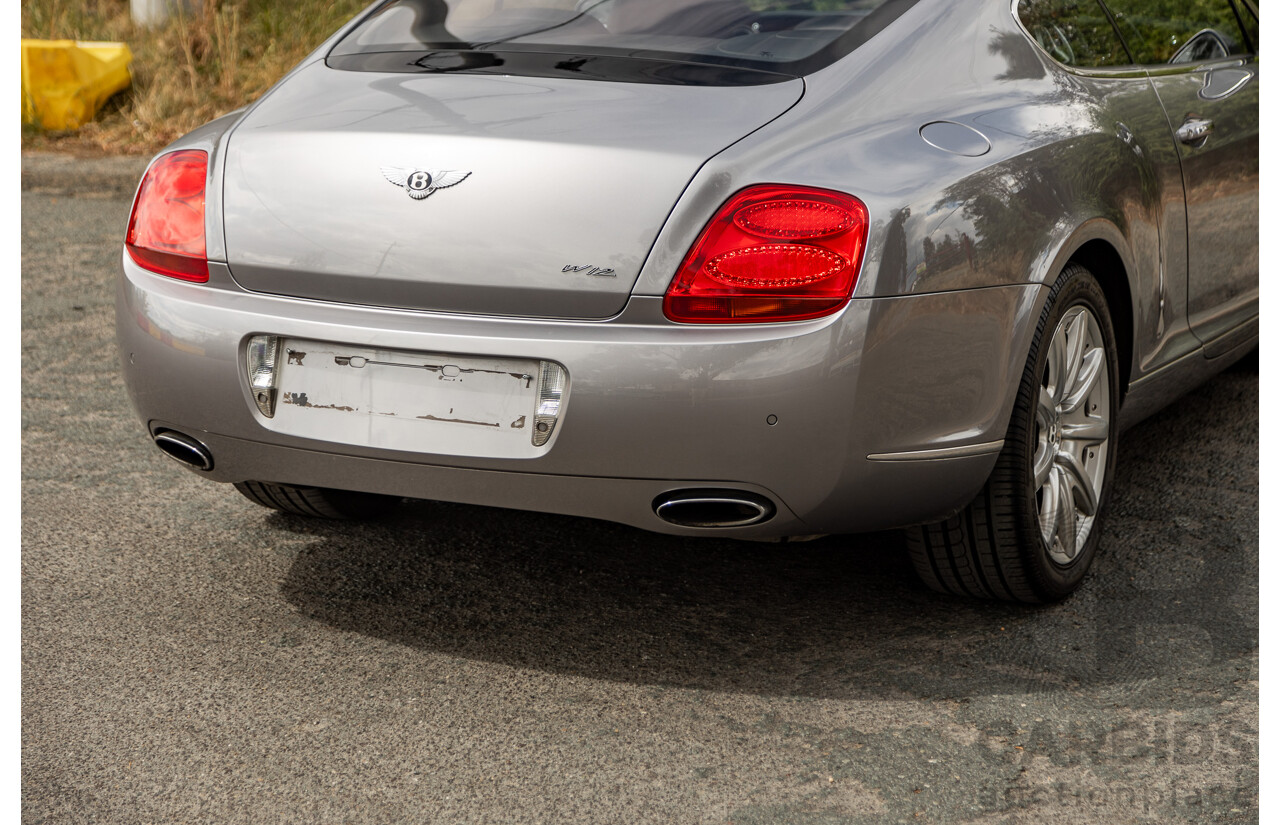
1194	131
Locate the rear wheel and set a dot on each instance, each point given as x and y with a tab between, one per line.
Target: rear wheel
316	502
1033	531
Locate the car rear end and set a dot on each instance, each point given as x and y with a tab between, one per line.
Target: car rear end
424	266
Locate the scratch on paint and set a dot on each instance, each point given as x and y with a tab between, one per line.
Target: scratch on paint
458	421
295	357
447	372
300	399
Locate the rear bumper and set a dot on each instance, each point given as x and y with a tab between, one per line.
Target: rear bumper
791	412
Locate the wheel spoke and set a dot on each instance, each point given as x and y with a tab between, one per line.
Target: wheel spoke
1088	432
1065	528
1045	406
1050	505
1076	329
1078	482
1085	380
1058	366
1042	464
1070	352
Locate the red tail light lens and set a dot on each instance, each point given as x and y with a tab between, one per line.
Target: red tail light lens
166	228
772	253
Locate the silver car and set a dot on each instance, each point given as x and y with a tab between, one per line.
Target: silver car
758	269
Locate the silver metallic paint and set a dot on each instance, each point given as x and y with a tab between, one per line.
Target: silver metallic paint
924	359
637	382
563	171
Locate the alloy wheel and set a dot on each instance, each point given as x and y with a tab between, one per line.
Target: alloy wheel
1073	434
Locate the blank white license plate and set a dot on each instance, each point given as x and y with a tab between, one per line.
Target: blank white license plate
415	401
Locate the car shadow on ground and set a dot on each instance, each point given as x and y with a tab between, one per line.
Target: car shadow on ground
1174	588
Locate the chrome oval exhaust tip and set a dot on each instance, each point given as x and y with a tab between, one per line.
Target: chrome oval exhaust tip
184	448
713	508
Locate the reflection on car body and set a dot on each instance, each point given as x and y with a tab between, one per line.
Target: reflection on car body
746	268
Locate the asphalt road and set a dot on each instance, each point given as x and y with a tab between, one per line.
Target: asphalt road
189	657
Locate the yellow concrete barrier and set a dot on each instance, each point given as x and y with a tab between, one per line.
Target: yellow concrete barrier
65	82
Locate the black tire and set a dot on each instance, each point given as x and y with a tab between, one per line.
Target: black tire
996	547
316	502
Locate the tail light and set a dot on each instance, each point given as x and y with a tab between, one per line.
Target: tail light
772	253
166	227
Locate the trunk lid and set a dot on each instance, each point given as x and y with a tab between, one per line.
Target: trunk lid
568	183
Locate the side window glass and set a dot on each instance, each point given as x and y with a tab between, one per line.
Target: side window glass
1074	32
1250	24
1158	31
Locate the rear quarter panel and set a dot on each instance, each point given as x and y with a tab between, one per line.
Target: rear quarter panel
1061	170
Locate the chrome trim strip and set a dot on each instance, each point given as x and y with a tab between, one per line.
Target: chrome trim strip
942	452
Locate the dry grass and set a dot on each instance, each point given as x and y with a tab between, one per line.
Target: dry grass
186	72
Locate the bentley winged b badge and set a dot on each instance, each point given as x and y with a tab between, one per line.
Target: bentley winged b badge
420	183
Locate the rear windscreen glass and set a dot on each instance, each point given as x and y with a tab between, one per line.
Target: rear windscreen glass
703	40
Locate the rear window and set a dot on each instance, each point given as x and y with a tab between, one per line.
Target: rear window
728	42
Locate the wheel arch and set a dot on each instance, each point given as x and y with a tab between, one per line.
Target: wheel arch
1099	246
1101	258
